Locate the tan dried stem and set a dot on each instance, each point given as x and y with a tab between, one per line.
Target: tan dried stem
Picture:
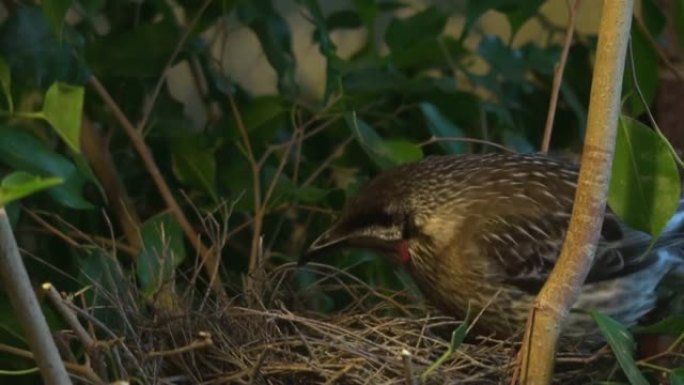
573	5
18	287
564	284
209	258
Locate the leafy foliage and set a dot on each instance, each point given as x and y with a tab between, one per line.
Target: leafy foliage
275	165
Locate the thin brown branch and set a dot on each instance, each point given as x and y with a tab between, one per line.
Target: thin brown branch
75	369
659	50
203	342
334	154
435	139
96	150
176	50
68	315
573	5
251	288
209	258
564	284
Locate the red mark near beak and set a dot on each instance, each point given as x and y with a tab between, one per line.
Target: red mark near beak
404	252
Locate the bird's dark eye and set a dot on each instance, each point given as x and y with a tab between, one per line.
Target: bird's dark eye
375	218
408	229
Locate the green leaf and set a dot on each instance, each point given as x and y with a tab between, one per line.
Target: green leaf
517	142
262	110
645	185
6	84
138	52
517	12
671	325
326	46
194	165
504	60
385	154
20	184
163	250
34	54
647	72
274	35
63	109
457	337
373	80
402	151
678	20
24	152
442	127
677	376
424	26
55	11
653	17
622	344
345	19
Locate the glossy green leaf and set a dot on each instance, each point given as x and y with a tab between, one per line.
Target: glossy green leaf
326	46
517	12
645	185
24	152
403	151
677	376
373	80
163	250
673	324
34	54
345	19
55	11
257	114
475	9
20	184
385	154
63	108
678	20
6	84
142	51
275	37
457	337
194	165
653	17
424	26
503	60
442	127
622	344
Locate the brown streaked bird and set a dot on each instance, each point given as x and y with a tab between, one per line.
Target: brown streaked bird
484	231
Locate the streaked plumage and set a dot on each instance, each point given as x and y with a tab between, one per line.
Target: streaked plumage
481	231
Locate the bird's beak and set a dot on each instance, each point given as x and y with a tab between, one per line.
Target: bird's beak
325	243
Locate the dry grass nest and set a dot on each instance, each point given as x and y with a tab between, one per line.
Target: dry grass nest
380	338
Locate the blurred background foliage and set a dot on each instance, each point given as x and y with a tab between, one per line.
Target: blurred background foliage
328	93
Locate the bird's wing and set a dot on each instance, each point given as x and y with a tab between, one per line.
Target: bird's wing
524	249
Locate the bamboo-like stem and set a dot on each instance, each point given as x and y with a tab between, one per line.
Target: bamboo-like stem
563	287
23	299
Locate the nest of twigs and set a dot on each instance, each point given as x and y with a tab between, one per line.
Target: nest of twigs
378	339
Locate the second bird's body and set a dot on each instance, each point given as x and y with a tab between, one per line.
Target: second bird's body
483	232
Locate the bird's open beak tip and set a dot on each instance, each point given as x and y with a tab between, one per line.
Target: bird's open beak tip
321	245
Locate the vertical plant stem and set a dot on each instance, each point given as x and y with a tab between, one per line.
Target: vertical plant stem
209	258
18	286
564	284
252	282
573	5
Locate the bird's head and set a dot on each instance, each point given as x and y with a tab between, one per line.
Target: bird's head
385	216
